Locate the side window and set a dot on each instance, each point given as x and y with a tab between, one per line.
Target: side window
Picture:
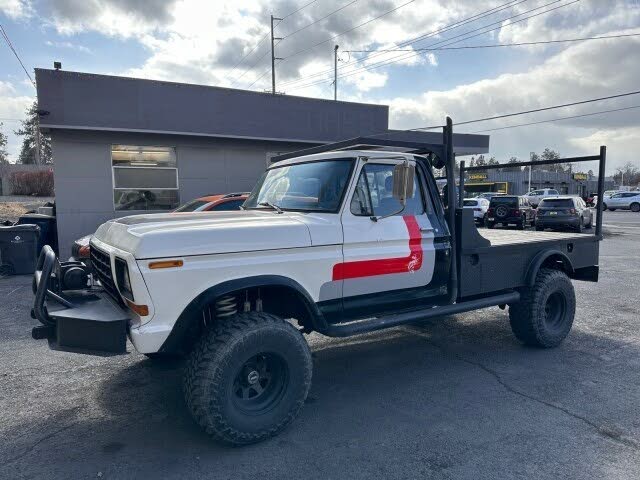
374	193
360	202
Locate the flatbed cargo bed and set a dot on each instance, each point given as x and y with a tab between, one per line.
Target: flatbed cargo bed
496	260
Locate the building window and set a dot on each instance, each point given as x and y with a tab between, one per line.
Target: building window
144	178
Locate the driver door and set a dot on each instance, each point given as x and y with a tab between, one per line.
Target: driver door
389	263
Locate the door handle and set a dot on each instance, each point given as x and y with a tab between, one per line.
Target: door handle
426	229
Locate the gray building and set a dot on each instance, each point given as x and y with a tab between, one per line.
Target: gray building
123	146
517	182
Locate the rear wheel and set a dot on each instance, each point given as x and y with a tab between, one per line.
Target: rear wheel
522	225
248	378
604	207
544	315
635	207
580	227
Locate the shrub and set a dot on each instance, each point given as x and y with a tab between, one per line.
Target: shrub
38	183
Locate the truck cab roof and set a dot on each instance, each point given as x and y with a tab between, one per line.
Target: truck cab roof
344	154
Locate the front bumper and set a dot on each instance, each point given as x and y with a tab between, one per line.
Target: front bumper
82	321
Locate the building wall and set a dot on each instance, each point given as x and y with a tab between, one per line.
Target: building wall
518	182
83	175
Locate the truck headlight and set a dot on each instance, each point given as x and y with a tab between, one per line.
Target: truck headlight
122	277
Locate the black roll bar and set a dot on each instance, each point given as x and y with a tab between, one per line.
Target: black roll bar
450	161
601	158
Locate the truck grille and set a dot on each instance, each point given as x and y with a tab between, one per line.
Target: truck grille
101	264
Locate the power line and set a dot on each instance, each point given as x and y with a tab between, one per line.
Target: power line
451	26
10	45
320	19
495	45
301	8
498	23
349	30
558	119
525	112
262	40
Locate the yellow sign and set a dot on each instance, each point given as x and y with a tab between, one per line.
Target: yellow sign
580	176
478	176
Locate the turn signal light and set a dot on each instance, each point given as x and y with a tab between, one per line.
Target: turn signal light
166	264
141	310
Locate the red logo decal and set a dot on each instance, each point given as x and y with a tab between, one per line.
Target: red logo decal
384	266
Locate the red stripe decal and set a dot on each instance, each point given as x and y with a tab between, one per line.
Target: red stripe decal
384	266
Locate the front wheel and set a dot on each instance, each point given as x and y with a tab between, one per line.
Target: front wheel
248	378
544	315
604	207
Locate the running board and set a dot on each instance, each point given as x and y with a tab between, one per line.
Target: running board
380	323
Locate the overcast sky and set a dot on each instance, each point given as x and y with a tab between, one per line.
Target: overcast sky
218	42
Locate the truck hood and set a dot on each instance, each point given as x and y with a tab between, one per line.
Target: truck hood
163	235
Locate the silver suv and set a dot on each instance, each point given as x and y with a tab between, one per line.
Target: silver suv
535	196
623	201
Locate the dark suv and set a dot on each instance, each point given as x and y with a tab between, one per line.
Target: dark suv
510	209
563	213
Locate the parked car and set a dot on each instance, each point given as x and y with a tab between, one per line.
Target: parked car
563	213
479	207
510	209
606	195
214	203
535	196
623	201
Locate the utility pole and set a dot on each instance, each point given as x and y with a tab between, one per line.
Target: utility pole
335	72
273	57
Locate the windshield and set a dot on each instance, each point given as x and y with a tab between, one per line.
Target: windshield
314	186
191	206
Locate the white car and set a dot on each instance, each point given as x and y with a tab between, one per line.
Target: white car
535	196
623	201
479	207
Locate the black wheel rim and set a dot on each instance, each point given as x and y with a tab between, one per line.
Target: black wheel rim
260	383
554	311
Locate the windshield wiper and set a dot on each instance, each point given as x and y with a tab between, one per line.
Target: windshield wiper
271	205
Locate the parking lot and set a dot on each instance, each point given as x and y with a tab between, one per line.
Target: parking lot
457	397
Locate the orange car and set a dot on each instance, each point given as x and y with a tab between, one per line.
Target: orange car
214	203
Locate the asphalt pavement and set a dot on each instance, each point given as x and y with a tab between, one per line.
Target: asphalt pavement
456	397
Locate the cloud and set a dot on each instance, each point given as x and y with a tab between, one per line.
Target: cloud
68	45
16	9
12	108
582	71
123	18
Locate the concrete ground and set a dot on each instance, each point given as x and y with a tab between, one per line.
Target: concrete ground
453	398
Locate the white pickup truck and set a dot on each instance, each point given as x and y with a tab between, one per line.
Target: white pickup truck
339	243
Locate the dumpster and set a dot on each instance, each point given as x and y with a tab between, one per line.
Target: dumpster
19	249
48	231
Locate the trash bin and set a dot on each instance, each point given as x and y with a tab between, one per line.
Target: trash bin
48	231
19	249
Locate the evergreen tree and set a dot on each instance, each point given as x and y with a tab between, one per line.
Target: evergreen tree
28	130
4	155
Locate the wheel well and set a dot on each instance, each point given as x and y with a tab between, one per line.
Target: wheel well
555	260
285	301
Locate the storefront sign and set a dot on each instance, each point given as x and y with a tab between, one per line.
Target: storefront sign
580	176
478	176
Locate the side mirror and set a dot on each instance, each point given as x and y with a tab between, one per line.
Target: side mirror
436	162
403	178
